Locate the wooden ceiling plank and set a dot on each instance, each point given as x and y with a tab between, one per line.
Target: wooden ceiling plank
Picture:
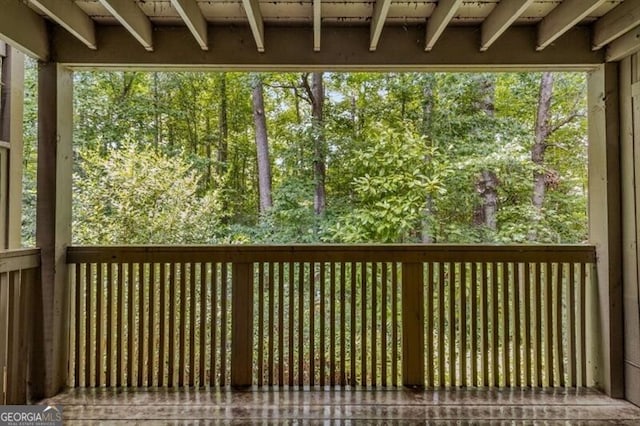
133	19
564	17
621	19
624	46
380	11
254	15
317	24
501	18
439	20
24	29
69	15
192	16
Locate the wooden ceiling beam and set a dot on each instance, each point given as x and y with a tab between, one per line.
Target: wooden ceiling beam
133	19
501	18
69	15
624	46
254	15
192	16
24	29
380	11
317	24
621	19
564	17
343	49
440	18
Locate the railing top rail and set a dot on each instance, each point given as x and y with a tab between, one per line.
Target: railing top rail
332	253
12	260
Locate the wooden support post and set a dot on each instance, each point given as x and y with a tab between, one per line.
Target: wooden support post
606	333
11	131
49	344
413	325
242	325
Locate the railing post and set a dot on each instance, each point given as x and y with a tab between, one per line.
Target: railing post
242	325
412	325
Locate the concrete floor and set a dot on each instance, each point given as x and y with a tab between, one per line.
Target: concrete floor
345	406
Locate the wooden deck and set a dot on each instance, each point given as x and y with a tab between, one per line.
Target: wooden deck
340	406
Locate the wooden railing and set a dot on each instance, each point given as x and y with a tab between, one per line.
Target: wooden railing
427	315
18	276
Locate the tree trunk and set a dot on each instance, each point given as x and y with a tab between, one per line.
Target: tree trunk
316	94
487	187
542	132
487	182
426	232
223	124
262	145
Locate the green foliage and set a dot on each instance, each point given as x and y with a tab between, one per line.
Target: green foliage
171	158
134	195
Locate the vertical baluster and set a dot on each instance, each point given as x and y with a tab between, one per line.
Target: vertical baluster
495	324
312	310
291	324
281	323
343	325
363	324
332	324
394	326
152	325
223	323
441	324
462	350
374	324
583	324
451	321
506	359
191	367
79	279
430	324
484	352
323	316
384	284
120	325
89	342
260	324
473	326
182	331
527	325
558	297
301	348
213	341
516	336
172	323
141	333
548	325
109	355
352	351
537	300
131	324
571	326
99	354
202	326
270	361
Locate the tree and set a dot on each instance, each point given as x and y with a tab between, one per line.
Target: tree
541	134
262	145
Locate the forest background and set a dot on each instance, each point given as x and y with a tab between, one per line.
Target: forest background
208	158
